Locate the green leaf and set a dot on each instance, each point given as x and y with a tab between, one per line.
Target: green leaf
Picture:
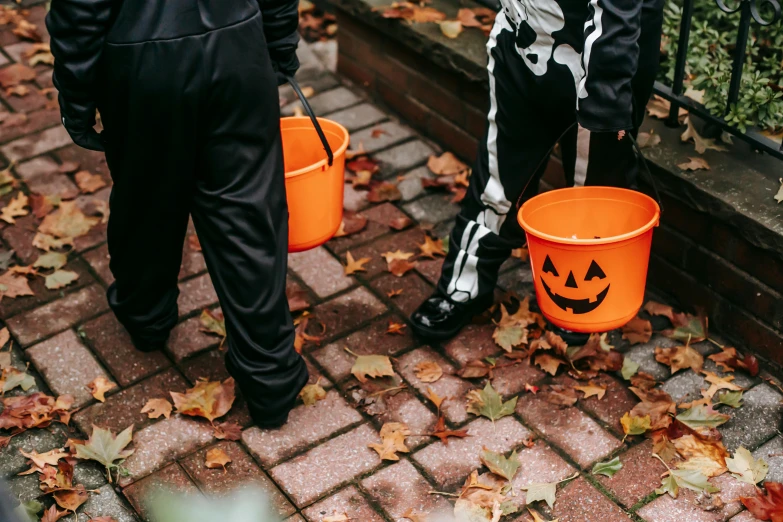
500	465
488	403
608	468
747	469
60	279
51	260
545	492
691	479
312	393
104	447
28	512
731	398
13	378
633	425
701	415
213	322
629	368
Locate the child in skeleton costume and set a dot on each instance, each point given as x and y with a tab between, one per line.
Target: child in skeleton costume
575	71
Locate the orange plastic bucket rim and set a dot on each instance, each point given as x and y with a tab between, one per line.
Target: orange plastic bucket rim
320	165
653	222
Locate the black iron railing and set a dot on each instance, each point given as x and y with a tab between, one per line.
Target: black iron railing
750	11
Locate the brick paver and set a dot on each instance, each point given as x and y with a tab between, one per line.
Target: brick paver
348	502
349	450
319	464
67	366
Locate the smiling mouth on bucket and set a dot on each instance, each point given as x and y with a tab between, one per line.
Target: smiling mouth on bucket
577	306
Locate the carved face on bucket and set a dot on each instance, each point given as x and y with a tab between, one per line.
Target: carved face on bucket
580	292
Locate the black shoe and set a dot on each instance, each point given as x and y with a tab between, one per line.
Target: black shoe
571	338
147	346
439	318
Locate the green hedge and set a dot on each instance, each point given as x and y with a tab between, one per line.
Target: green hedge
710	55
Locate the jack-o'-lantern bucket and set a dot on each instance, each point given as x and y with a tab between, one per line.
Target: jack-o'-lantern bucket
589	252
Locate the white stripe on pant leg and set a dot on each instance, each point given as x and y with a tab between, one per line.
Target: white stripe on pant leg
582	156
494	196
464	282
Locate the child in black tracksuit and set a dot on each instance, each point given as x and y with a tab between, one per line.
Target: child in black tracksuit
187	93
578	71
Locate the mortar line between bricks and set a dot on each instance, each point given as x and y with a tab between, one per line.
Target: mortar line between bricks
73	327
313	297
375	505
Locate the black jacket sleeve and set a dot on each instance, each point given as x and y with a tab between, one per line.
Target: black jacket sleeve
281	23
610	59
78	29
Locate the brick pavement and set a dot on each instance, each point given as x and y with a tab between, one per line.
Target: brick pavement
319	464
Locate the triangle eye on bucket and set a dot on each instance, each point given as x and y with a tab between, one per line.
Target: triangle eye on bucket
549	267
594	271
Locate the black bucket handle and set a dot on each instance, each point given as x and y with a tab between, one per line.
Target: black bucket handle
309	110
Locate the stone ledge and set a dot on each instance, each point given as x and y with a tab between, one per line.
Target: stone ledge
465	54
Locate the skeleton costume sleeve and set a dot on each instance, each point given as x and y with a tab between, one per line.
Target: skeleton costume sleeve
610	59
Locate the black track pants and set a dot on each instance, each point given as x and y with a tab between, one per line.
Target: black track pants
532	106
192	128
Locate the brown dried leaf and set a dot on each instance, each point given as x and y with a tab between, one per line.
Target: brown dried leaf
396	328
680	357
392	441
217	458
637	331
352	265
446	164
228	431
15	208
432	247
15	74
383	191
443	433
68	221
207	399
157	408
694	164
428	371
99	386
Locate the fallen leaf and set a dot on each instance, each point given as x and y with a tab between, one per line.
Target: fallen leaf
40	460
680	357
18	90
648	140
361	179
729	360
400	223
629	368
656	404
36	410
377	133
488	403
511	330
521	253
26	30
363	163
217	458
13	285
312	393
105	447
352	266
297	299
391	294
637	331
228	431
695	164
608	468
446	164
718	383
708	457
561	395
53	260
99	386
766	505
413	13
659	107
432	247
499	464
548	363
392	441
12	378
372	366
53	514
688	328
450	28
730	398
443	433
88	182
15	74
633	425
702	144
747	469
213	322
700	416
207	399
71	499
352	223
43	58
688	479
60	279
592	390
396	328
543	491
157	408
15	208
400	267
68	221
383	191
48	243
434	397
428	371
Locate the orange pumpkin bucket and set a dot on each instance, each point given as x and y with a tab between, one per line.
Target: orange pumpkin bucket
589	250
314	176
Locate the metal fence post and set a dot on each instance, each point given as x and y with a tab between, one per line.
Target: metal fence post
681	61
